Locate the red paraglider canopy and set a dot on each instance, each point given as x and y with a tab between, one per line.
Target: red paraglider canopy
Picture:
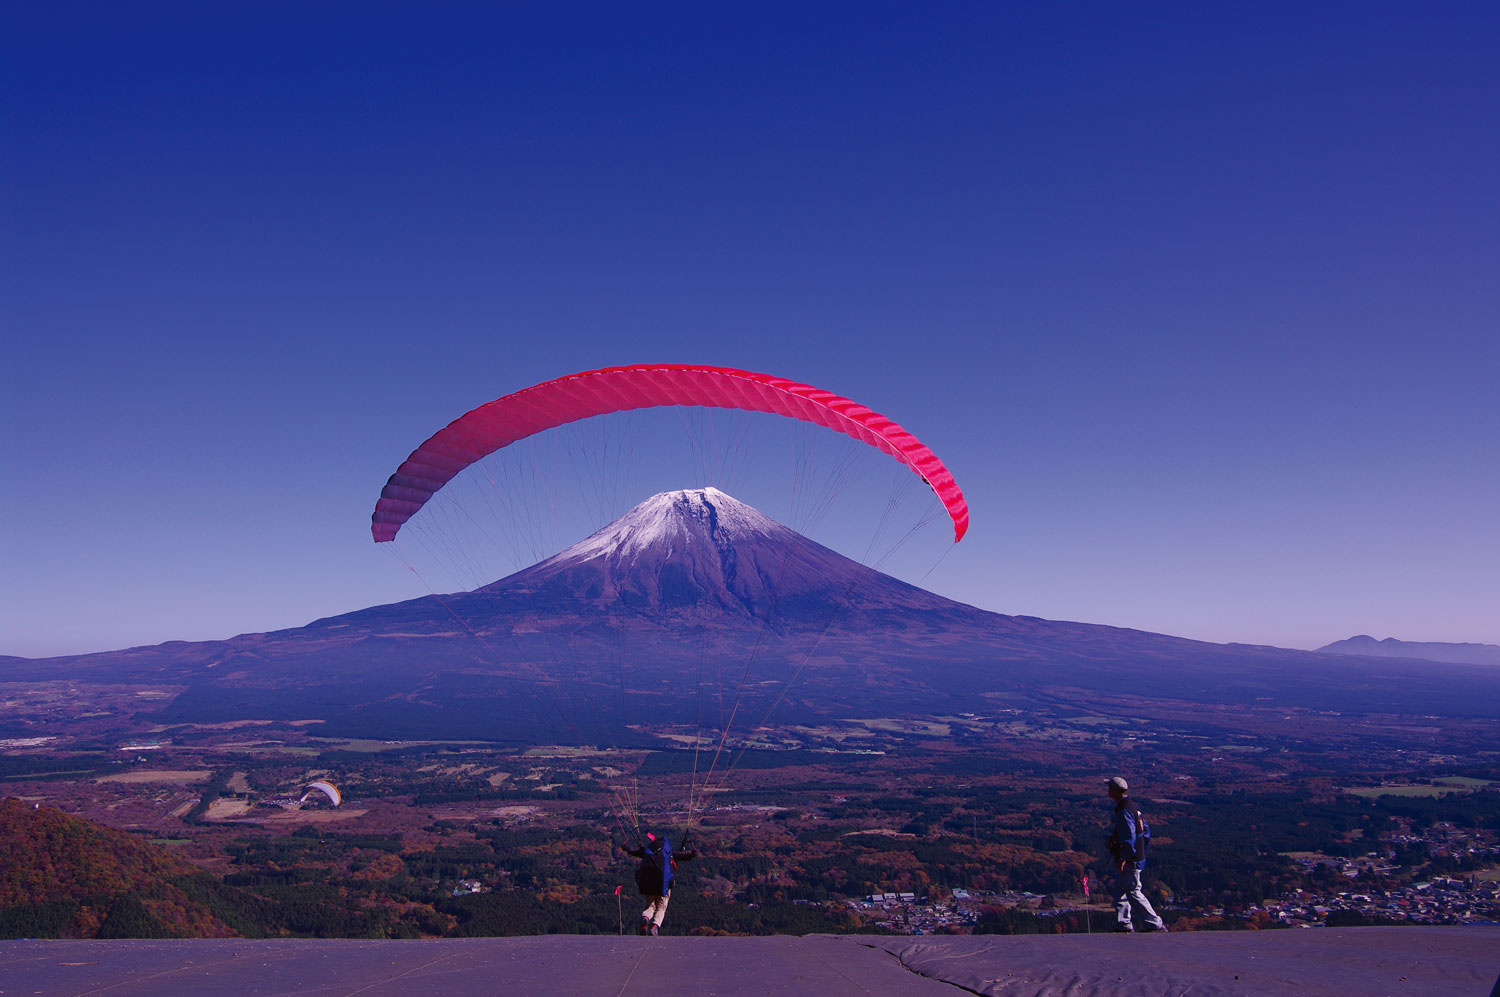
499	423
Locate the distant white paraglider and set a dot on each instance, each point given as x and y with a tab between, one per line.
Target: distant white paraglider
328	789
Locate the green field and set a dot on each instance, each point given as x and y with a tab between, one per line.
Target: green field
272	749
1373	791
51	775
1441	786
366	744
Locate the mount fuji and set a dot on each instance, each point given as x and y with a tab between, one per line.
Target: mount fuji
694	590
701	551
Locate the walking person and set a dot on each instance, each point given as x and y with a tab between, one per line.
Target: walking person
1127	846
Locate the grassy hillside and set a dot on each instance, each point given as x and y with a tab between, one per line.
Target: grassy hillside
65	877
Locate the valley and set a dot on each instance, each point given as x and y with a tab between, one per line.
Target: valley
989	821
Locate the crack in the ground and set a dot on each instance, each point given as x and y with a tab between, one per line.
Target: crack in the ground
917	972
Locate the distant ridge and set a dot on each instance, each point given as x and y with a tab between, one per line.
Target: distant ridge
1464	654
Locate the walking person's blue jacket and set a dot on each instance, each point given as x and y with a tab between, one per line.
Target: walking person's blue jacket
1131	834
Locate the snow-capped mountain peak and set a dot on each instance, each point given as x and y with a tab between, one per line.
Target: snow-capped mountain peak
699	547
676	521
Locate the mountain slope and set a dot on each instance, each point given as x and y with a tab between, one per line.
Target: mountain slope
693	598
63	876
702	548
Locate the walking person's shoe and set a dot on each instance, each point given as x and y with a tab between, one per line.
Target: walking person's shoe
653	931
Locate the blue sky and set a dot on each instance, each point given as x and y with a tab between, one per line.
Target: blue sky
1198	302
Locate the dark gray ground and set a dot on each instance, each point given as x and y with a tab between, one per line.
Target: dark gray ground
1364	961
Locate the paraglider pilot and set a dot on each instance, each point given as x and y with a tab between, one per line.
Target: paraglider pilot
653	877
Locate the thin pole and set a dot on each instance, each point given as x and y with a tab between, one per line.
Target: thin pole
1088	914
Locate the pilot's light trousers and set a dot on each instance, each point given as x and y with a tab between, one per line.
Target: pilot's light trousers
655	910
